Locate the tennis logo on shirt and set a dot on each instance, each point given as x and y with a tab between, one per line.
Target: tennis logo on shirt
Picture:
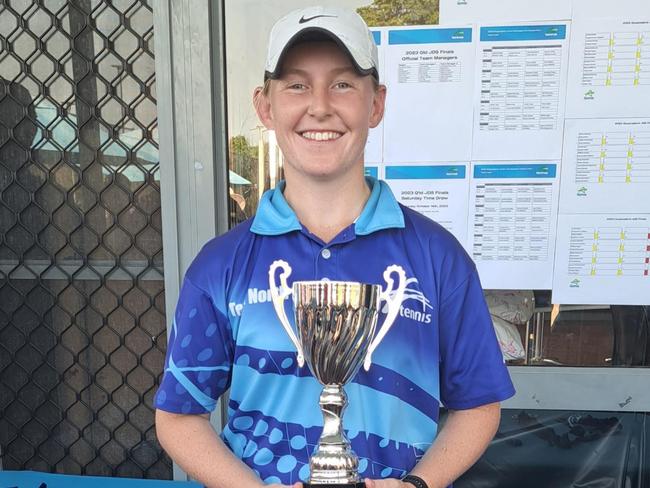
419	312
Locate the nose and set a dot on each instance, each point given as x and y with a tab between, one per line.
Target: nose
320	103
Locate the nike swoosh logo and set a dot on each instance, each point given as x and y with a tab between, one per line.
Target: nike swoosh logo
304	19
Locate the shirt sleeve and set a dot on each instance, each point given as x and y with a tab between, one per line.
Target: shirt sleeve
472	371
199	355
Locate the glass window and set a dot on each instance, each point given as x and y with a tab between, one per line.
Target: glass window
255	160
587	335
531	329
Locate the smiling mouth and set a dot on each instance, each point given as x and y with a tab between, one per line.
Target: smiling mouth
320	135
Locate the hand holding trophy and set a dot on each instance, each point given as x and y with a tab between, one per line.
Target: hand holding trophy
336	322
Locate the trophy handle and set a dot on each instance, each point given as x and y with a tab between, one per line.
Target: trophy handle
278	296
394	303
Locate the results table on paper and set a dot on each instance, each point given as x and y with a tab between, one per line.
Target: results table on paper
520	80
609	251
602	259
606	166
616	59
613	157
609	74
512	221
511	229
520	87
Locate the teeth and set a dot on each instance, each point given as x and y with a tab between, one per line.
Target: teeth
321	136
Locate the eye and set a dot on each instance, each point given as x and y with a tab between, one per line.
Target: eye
296	86
342	85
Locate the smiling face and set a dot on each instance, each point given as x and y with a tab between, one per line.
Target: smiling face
321	110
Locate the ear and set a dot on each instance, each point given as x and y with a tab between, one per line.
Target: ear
378	105
262	106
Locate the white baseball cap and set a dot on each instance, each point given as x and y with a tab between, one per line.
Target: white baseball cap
345	27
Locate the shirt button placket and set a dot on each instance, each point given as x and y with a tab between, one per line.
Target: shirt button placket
326	263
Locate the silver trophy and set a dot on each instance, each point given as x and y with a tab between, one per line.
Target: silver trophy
336	322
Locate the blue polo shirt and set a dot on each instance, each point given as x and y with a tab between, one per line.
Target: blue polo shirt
225	334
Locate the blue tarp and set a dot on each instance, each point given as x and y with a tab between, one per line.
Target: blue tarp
34	479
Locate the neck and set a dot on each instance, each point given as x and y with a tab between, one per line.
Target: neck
327	207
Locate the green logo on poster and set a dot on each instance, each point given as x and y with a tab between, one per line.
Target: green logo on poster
575	283
589	95
582	191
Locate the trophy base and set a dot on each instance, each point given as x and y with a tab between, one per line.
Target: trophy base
360	484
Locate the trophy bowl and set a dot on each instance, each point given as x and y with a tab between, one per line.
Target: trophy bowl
336	321
336	324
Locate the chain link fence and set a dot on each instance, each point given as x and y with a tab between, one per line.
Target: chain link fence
82	325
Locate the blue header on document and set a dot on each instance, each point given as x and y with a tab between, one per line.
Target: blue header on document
371	171
524	33
451	172
429	36
498	171
377	37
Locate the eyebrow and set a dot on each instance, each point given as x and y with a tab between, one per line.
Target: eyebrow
302	72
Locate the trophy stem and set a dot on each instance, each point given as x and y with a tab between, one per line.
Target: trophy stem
333	401
334	462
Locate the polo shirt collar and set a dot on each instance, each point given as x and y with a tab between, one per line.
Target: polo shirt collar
275	217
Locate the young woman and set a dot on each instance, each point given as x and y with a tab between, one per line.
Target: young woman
321	96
